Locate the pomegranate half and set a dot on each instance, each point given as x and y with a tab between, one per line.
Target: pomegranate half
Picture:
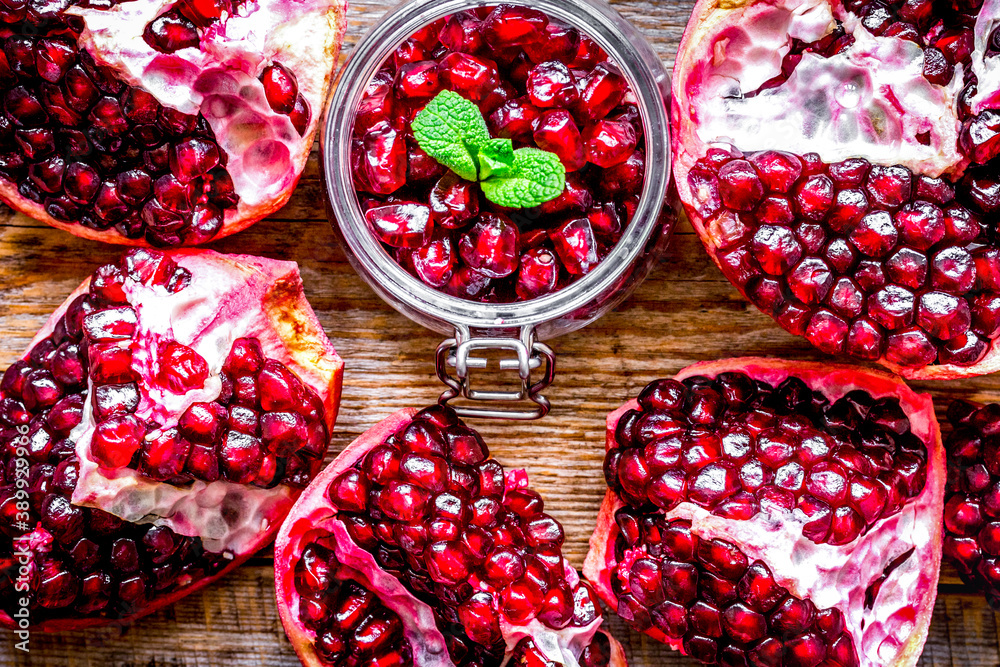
837	160
767	512
148	122
156	433
414	547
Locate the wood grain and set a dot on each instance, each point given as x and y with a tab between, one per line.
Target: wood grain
686	311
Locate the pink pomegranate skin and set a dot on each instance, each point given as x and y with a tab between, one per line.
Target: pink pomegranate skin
268	295
313	524
137	76
878	226
791	560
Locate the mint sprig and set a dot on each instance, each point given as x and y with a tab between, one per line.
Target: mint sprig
535	177
452	130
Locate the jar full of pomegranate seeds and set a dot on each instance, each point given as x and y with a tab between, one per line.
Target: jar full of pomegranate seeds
413	45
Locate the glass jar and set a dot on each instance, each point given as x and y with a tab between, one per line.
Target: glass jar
512	331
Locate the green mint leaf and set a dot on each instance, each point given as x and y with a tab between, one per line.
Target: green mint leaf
496	158
536	177
450	129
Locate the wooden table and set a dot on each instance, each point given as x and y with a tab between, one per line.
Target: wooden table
686	311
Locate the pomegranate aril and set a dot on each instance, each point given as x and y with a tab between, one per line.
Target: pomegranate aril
171	32
538	274
403	225
556	132
460	32
552	84
181	368
116	440
490	245
576	246
240	457
609	143
601	90
509	25
453	202
280	88
418	80
468	75
383	158
192	158
514	119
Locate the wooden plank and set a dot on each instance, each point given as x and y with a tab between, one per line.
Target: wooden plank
686	311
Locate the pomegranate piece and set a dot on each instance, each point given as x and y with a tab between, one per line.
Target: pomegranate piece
536	81
414	524
887	210
740	493
144	421
92	138
973	496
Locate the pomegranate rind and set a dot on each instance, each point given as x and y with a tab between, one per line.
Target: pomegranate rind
313	518
304	347
708	21
265	163
779	547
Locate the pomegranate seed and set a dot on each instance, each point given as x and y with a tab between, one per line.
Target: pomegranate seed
116	440
509	25
240	457
453	202
875	234
181	368
171	32
514	119
384	158
576	246
419	80
280	88
205	12
601	90
404	225
435	261
490	246
556	132
472	77
552	84
538	275
193	158
609	143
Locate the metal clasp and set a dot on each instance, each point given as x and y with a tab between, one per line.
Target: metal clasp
530	355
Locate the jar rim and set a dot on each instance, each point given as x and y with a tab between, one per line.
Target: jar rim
650	84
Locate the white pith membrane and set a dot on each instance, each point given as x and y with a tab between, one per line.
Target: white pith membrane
222	303
893	631
314	520
219	79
